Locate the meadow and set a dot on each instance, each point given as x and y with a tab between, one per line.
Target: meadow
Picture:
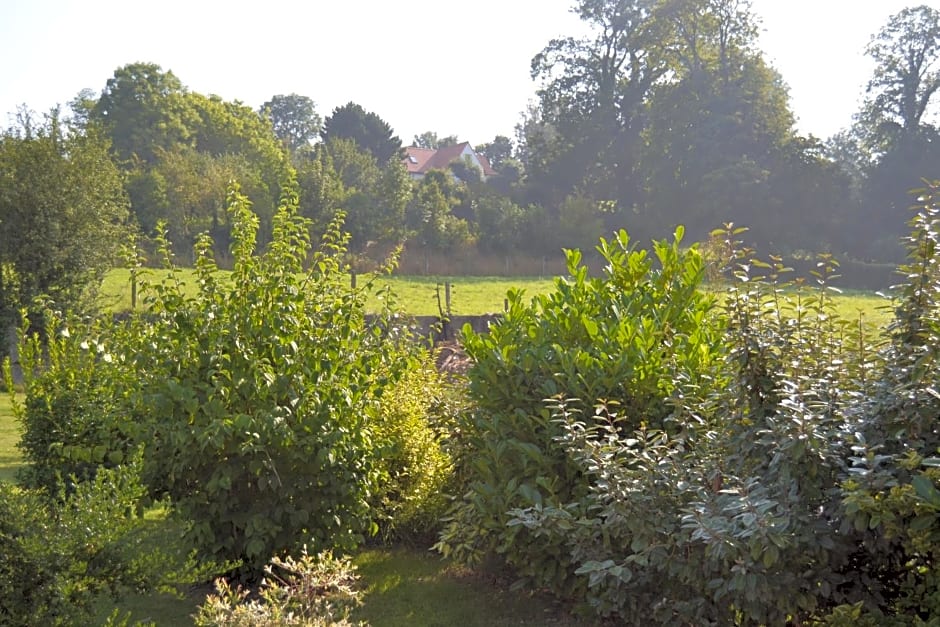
473	296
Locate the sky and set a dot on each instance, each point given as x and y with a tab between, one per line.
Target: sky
455	67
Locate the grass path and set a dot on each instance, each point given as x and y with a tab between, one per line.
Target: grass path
403	588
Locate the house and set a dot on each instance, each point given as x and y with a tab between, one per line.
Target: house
420	161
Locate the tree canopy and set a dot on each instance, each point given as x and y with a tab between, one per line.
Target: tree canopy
63	214
295	120
366	128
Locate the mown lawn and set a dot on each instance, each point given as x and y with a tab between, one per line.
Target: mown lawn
399	588
403	588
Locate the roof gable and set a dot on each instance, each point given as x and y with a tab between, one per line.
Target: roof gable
420	161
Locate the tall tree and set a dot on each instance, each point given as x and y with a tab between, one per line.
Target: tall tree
367	129
497	152
717	125
894	127
179	149
906	52
143	109
295	120
592	102
63	213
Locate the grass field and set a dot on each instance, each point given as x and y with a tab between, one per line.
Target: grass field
422	296
418	296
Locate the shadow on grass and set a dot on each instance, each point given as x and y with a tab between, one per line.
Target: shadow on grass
409	588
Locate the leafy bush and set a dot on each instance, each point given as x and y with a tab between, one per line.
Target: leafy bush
415	422
697	491
311	591
891	498
638	336
258	400
61	555
260	393
74	416
705	525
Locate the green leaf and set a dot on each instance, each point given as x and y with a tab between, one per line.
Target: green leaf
927	491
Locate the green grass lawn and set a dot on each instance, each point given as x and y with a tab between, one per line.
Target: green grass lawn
420	296
399	588
402	588
417	296
10	459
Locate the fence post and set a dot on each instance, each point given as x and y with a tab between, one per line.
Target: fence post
352	279
447	296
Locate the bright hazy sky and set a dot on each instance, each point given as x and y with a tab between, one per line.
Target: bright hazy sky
451	66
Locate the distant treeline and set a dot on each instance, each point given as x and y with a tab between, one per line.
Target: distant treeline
665	113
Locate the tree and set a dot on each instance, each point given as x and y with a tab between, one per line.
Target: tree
907	69
232	128
497	152
429	139
295	120
373	197
900	144
592	102
431	214
179	147
717	126
367	129
190	199
63	213
142	108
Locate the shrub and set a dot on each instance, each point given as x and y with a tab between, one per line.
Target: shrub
260	394
699	484
706	525
310	591
258	400
891	497
62	554
637	336
75	413
415	423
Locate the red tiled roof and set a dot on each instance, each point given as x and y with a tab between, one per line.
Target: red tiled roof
423	160
416	159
